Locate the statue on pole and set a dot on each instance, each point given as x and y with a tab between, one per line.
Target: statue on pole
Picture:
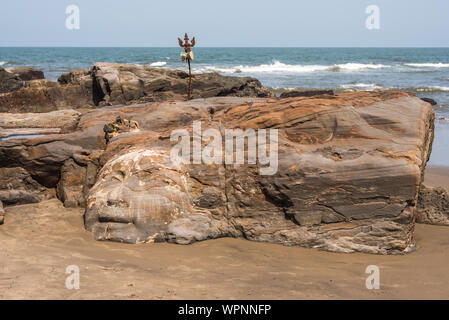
187	55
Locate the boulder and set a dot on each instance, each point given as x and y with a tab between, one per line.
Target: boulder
124	84
27	73
429	100
9	82
345	178
348	172
115	84
433	206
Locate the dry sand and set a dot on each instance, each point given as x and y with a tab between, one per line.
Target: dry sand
39	241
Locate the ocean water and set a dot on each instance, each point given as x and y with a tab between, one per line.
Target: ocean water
424	71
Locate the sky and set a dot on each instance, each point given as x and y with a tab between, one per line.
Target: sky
229	23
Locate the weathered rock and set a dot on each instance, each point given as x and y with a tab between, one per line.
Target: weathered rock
114	84
46	159
18	187
349	167
27	74
46	96
71	186
9	82
30	168
433	206
55	119
307	93
347	178
122	84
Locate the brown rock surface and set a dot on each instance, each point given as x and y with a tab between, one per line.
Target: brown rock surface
112	84
18	187
349	171
27	73
55	119
348	174
9	82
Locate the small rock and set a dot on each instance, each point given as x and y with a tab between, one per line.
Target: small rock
120	125
429	100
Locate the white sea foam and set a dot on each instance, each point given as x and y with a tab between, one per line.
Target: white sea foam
432	89
279	67
158	64
275	67
358	66
428	65
372	86
2	63
361	86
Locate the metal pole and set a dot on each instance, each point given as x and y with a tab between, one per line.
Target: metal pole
190	81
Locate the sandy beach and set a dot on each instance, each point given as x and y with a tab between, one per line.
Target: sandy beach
39	241
437	177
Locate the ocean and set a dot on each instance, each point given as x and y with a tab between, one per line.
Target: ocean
424	71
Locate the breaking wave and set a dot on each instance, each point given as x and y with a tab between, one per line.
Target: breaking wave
2	63
359	66
279	67
158	64
431	89
428	65
373	86
361	86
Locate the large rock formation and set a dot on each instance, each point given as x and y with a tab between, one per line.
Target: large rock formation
347	177
111	84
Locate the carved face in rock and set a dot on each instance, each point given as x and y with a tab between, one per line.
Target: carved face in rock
141	196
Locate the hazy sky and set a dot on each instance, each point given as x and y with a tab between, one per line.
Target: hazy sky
241	23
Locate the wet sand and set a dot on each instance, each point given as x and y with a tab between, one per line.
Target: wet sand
437	177
39	241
